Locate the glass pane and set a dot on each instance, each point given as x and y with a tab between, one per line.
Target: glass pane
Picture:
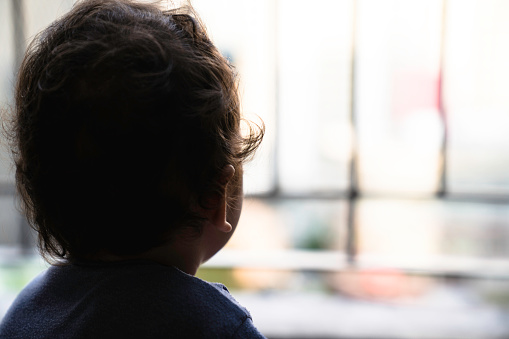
396	95
314	63
244	31
40	13
290	224
434	234
477	104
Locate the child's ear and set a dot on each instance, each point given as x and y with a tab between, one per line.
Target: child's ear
217	215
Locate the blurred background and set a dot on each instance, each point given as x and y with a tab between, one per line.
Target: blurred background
378	204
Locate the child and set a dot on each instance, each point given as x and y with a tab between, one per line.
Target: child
128	152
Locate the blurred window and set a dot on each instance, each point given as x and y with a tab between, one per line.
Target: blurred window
386	154
392	99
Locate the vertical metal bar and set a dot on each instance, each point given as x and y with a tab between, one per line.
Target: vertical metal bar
25	234
276	188
353	189
27	237
442	189
18	29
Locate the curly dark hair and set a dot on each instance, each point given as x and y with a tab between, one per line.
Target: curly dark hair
124	117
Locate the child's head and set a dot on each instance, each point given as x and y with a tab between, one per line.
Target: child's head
125	117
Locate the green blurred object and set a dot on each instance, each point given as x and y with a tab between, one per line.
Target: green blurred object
219	275
16	276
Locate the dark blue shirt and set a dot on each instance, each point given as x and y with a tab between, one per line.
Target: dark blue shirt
137	299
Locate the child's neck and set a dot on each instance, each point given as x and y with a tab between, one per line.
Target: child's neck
183	255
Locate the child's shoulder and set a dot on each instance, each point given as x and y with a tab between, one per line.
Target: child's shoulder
127	298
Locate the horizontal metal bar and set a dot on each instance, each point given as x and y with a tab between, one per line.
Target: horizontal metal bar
7	188
444	266
339	195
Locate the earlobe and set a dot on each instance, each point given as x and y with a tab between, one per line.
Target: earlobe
226	227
